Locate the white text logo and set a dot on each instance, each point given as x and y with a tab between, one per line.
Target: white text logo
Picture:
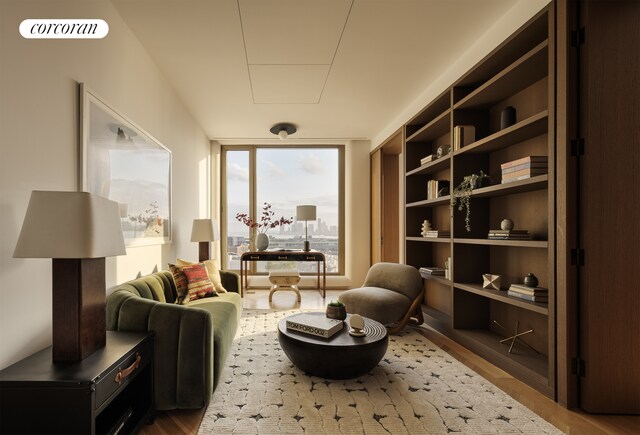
64	29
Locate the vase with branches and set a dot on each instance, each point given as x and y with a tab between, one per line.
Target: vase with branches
263	225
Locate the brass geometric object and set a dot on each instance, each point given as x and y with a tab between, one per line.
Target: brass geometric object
491	281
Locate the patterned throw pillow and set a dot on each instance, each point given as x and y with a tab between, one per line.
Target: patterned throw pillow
180	280
198	282
212	270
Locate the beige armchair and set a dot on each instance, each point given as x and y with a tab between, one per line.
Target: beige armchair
392	294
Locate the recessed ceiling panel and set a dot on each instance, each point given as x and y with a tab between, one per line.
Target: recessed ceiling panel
292	31
287	84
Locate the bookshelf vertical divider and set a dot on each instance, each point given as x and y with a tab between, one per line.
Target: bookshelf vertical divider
517	74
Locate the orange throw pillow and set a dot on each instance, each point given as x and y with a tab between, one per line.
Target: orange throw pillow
198	282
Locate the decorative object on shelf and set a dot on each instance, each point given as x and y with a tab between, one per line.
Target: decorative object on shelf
436	188
515	336
447	268
336	310
506	225
483	180
443	150
426	227
462	195
524	168
490	281
531	294
531	280
463	135
427	159
77	230
356	325
204	231
507	117
509	235
306	213
426	272
266	223
438	234
283	130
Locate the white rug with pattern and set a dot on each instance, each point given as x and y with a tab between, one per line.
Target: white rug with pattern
416	389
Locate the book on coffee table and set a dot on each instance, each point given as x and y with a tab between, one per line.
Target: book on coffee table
314	325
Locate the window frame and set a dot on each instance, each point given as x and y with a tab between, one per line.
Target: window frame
253	207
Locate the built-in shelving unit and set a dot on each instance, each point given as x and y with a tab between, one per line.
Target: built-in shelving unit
516	74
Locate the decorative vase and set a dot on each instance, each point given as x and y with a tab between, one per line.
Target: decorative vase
531	280
339	313
507	117
483	181
506	224
262	241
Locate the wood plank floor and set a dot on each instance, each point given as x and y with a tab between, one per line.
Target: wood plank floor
569	421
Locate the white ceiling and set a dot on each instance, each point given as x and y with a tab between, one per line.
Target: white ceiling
338	69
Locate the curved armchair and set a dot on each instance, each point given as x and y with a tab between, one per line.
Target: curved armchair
391	294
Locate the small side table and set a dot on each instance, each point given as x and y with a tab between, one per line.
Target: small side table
110	391
284	280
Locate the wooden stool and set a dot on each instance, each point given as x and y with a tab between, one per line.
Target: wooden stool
284	280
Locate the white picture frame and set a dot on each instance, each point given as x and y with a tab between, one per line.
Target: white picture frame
120	161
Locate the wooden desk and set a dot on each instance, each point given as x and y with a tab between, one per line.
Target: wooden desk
314	256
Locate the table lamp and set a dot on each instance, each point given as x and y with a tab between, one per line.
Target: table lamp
306	213
203	232
77	230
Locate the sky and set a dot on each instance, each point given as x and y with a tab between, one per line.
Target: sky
286	177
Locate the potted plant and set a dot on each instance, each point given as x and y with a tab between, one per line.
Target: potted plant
265	224
462	194
336	310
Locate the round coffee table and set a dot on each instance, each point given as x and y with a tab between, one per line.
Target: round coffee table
339	357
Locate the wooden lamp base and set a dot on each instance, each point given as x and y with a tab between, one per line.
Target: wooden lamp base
204	252
79	309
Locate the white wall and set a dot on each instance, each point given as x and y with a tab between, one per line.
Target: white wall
38	143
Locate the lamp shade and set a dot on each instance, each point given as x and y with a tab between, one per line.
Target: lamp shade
204	230
70	225
306	212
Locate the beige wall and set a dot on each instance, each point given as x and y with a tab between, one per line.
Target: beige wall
38	143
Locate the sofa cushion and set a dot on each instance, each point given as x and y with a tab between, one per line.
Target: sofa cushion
180	280
198	282
212	270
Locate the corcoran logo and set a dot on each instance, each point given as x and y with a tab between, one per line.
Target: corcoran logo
64	29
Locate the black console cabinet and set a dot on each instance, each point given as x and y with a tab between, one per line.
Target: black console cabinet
109	392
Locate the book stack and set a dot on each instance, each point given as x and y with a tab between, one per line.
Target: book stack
509	235
463	135
438	233
319	326
434	186
427	159
426	272
531	294
524	168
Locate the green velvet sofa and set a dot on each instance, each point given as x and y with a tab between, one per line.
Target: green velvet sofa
192	341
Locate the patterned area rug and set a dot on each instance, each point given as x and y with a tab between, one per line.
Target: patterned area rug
416	389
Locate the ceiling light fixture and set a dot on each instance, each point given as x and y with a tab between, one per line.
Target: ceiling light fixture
283	129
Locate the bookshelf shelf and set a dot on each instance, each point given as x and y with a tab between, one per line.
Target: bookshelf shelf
434	129
429	239
528	69
542	244
526	129
432	167
517	74
501	295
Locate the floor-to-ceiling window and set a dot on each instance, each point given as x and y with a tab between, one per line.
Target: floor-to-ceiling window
284	177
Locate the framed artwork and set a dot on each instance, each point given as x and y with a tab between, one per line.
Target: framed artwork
120	161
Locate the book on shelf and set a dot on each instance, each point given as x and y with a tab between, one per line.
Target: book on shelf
431	271
536	291
507	232
511	169
522	177
512	237
530	298
530	171
437	233
463	135
427	159
524	160
319	326
434	186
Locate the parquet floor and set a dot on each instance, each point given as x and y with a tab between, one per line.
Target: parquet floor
569	421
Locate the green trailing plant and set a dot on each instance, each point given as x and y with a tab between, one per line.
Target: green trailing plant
462	196
336	304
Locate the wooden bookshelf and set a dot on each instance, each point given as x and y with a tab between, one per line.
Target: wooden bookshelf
519	74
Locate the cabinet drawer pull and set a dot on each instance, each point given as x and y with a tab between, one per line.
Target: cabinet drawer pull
124	374
311	258
282	257
254	257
